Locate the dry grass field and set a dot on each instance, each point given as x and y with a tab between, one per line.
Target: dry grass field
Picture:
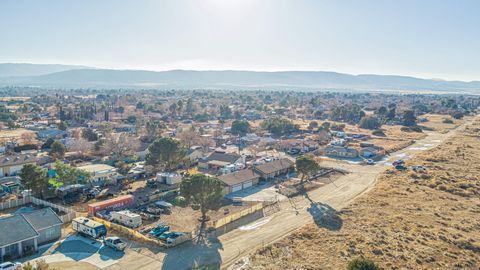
436	122
427	220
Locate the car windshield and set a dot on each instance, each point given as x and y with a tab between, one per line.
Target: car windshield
116	241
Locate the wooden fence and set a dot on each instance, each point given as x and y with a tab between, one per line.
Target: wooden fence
235	216
67	216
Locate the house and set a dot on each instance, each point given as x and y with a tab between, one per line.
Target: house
26	231
340	151
11	165
372	152
101	174
276	168
52	133
47	224
239	180
10	184
218	160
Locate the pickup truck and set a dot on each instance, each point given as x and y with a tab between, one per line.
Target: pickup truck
115	243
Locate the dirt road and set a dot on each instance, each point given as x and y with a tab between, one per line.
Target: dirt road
230	247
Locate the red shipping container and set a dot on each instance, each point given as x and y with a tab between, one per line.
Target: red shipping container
115	203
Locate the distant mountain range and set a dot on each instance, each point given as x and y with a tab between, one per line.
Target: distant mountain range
64	76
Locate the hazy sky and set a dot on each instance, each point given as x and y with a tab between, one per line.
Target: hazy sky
425	38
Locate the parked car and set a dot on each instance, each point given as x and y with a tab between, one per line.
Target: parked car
398	162
115	243
10	265
419	168
400	167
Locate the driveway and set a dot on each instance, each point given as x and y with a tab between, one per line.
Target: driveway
83	250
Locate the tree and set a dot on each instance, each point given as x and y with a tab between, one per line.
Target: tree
57	150
166	152
312	125
48	143
120	146
362	264
62	126
279	126
409	118
306	166
132	119
370	122
204	191
68	175
35	178
38	265
225	112
240	127
89	134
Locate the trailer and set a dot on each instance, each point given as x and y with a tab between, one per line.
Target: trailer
88	227
112	204
127	218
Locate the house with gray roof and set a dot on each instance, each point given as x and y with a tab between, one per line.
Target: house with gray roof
218	160
11	165
26	231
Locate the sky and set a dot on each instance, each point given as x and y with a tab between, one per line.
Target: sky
427	38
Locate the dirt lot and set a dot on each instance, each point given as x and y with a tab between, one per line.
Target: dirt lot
435	122
7	135
427	220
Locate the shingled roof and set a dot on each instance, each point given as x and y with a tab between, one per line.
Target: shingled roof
15	229
238	177
274	166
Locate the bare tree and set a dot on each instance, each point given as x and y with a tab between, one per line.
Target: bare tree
120	145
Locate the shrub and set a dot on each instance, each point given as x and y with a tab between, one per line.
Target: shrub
378	132
447	121
362	264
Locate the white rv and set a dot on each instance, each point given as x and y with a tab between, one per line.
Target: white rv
127	218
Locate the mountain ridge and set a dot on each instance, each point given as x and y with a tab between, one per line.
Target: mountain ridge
80	76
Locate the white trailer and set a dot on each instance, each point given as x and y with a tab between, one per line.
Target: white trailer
127	218
89	227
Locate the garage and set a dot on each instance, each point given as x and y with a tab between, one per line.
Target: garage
236	188
239	180
247	184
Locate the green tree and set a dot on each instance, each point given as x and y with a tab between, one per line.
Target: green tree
57	150
62	125
48	143
409	118
369	122
68	175
306	166
362	264
166	153
35	178
279	126
240	127
203	191
89	135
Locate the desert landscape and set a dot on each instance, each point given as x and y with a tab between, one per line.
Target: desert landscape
410	220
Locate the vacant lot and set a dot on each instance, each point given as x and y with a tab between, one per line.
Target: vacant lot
427	220
437	122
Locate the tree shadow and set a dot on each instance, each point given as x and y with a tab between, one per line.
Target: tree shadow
201	253
324	215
